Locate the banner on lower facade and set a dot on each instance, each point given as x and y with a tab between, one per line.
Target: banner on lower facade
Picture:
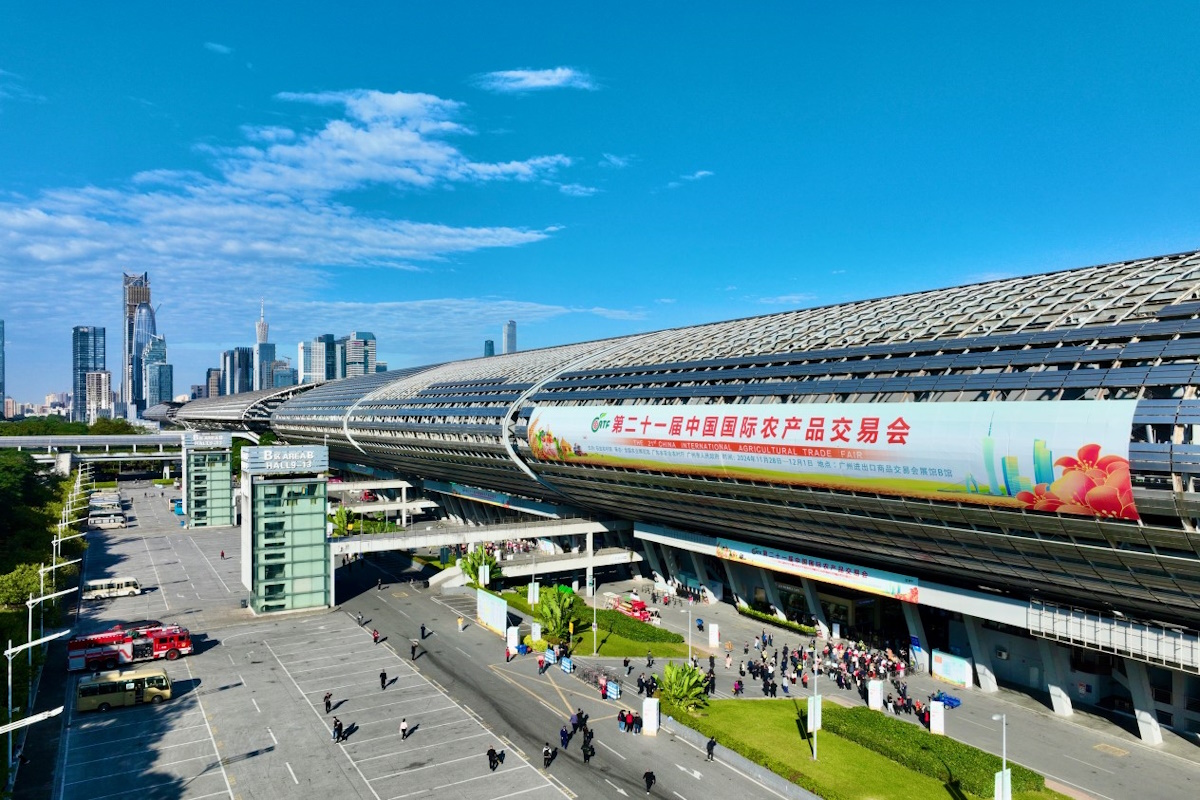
1068	457
951	669
875	581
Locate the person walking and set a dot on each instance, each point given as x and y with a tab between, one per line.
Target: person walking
422	631
414	649
333	730
375	636
547	756
628	669
222	555
493	759
328	702
588	752
360	619
404	730
710	747
649	659
650	780
382	679
338	730
379	584
564	737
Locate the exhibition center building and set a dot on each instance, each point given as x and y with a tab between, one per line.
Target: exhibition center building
1003	474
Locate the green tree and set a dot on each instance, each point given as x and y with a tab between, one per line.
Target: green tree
26	494
556	610
114	427
682	686
476	559
341	521
16	586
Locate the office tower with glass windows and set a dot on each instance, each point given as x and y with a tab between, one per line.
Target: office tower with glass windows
510	336
144	330
358	354
135	290
489	348
212	381
87	355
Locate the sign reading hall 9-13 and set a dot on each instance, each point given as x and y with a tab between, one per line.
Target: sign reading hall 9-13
287	460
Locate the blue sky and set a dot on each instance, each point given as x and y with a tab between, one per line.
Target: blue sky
428	171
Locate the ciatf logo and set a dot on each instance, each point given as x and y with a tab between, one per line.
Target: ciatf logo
599	423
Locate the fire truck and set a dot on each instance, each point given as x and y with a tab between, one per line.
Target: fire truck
124	645
631	608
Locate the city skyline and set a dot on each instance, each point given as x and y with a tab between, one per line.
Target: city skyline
539	173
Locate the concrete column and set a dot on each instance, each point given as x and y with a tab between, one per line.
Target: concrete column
735	584
1055	671
1143	701
656	568
672	561
912	616
812	599
980	654
591	565
772	590
702	576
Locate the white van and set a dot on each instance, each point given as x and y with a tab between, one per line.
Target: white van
110	587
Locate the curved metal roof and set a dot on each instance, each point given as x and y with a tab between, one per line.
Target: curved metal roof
248	410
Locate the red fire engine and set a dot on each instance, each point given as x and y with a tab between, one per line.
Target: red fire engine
121	645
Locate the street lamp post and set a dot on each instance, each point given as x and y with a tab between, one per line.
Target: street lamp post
42	577
1003	781
688	611
11	653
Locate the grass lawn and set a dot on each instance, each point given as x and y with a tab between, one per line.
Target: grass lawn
614	646
768	731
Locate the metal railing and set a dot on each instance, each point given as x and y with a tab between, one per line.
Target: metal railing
1141	641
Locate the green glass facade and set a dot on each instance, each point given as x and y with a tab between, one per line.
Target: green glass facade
289	554
208	489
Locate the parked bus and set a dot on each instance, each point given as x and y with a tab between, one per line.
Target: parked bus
106	521
113	648
106	690
110	587
106	502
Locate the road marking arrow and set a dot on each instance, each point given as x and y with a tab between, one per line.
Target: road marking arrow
694	773
618	788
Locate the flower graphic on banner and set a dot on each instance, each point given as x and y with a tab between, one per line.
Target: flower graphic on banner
1090	484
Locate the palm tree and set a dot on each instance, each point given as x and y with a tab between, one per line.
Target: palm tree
683	686
476	559
341	522
556	610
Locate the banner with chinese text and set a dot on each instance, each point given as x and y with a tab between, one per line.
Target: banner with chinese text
1069	457
875	581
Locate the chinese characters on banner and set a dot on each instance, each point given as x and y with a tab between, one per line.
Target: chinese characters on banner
1068	457
875	581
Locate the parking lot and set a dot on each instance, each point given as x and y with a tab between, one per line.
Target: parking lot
246	719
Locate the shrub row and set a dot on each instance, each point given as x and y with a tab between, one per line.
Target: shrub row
915	748
632	629
807	630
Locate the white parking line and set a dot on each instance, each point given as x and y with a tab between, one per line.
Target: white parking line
216	752
210	566
469	780
424	746
107	742
108	775
425	766
157	580
157	748
289	766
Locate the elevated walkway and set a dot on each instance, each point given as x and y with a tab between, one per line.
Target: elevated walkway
385	506
334	487
469	536
1140	641
527	566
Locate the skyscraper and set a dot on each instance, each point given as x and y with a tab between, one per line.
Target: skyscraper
489	348
99	395
135	291
157	374
212	381
264	352
144	329
323	364
510	336
87	355
237	370
359	349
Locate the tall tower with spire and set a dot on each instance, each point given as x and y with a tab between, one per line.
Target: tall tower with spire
264	351
260	327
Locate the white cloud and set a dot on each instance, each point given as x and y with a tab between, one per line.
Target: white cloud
700	174
797	299
396	138
218	48
515	81
665	300
614	162
577	190
12	87
267	218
